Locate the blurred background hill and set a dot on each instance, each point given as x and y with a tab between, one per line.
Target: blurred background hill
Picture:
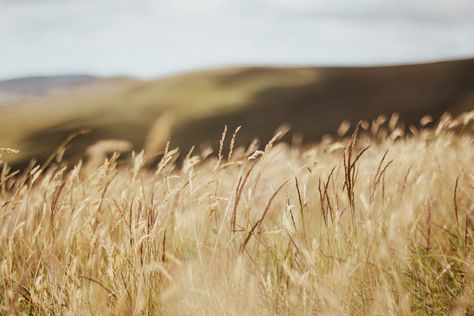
313	101
19	89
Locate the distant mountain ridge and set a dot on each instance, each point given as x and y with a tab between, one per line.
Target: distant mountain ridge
20	88
40	84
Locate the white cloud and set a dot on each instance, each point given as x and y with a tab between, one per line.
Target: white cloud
151	37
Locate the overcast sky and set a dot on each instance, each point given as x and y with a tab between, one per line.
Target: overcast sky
149	38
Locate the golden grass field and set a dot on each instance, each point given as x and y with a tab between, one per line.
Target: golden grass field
377	223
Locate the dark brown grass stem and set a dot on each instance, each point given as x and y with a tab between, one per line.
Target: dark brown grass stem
455	200
321	201
428	224
163	247
99	284
303	222
259	222
326	207
238	193
54	204
350	174
378	175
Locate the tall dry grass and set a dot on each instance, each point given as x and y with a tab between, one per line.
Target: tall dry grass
376	223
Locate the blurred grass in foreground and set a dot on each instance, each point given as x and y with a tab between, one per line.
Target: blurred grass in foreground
376	223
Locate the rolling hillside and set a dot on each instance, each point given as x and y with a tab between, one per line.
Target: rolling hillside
313	101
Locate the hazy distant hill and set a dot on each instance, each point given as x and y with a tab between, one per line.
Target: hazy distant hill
312	100
21	88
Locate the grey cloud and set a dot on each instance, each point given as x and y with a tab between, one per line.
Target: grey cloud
150	37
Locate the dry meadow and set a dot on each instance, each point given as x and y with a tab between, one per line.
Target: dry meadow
376	221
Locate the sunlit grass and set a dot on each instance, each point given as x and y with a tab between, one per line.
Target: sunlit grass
376	223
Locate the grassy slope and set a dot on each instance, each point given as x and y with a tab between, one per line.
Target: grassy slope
312	100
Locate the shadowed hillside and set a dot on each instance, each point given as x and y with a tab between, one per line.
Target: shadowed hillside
313	101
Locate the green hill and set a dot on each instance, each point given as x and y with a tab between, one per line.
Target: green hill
313	101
